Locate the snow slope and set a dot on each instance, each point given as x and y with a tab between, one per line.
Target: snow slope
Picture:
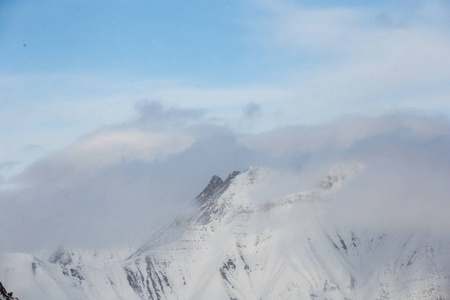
247	238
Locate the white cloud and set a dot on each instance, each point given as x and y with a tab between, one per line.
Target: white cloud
111	147
105	149
348	60
313	29
343	133
52	118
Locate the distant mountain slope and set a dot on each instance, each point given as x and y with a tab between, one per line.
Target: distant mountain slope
247	238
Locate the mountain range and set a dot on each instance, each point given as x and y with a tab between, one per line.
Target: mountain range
250	236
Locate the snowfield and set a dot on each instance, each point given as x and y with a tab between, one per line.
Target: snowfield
247	237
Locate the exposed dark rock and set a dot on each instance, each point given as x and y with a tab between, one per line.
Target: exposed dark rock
213	186
5	295
33	267
231	177
344	246
133	281
61	256
206	199
76	273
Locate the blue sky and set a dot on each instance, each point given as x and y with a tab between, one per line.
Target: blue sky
68	68
144	38
105	106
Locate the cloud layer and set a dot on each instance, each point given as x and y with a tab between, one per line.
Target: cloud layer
118	185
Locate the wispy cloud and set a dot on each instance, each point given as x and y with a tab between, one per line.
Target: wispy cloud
108	148
153	115
359	59
343	133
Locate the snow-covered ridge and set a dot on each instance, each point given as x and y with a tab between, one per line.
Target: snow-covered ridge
239	241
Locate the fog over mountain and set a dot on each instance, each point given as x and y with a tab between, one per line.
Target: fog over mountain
120	184
241	149
268	233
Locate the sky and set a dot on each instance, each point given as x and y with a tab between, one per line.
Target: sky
107	105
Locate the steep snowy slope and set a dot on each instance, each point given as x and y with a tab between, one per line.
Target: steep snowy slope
248	237
66	274
238	246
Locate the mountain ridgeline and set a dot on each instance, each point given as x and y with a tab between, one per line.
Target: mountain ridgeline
239	241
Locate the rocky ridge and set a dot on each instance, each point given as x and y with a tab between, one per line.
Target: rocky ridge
4	295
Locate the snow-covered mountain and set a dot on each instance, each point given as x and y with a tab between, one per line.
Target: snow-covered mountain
247	237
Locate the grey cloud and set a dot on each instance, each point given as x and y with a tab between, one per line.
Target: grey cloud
5	165
251	113
5	168
404	183
154	115
341	134
32	148
119	204
252	110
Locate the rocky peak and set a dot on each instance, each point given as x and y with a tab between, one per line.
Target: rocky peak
215	187
5	295
206	199
231	177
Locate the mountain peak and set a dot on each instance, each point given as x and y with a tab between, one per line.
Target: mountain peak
215	188
231	176
215	185
248	237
